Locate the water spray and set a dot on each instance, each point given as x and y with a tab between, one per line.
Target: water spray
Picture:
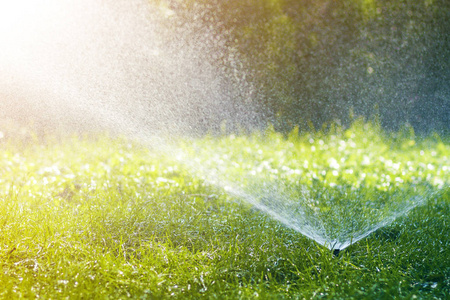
108	65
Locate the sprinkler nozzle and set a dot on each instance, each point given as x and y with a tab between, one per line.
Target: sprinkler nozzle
336	252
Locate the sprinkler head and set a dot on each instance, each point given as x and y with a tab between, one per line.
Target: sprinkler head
336	252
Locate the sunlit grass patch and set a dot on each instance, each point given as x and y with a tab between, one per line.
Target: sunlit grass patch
101	217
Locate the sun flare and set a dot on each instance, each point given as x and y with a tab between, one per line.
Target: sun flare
30	28
19	20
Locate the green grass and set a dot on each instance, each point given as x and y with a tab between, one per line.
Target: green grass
104	218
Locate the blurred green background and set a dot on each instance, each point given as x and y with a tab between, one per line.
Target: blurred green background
326	61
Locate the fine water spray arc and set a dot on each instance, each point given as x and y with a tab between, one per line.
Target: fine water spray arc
93	66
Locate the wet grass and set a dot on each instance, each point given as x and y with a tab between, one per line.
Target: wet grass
103	218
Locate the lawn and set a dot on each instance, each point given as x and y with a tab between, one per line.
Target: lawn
226	216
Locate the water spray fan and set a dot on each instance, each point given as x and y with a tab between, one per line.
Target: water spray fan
333	216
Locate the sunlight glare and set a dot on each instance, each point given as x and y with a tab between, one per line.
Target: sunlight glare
27	28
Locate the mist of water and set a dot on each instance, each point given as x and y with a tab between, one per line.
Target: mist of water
315	227
94	66
335	217
110	65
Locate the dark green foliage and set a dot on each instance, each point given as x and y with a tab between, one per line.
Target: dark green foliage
316	62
